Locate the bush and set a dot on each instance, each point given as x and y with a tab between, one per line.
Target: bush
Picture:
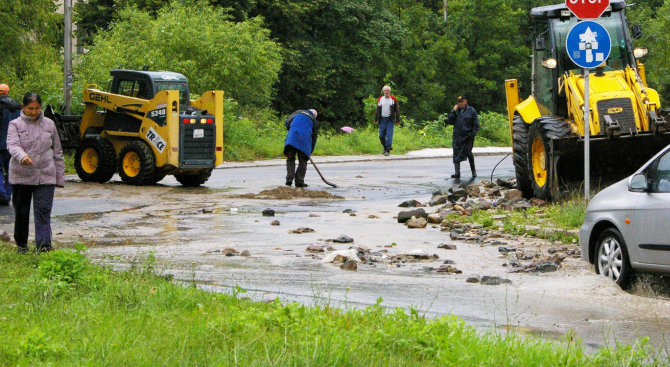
63	265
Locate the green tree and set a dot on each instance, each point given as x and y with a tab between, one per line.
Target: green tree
212	51
31	39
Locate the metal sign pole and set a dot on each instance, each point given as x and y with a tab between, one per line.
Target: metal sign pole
67	56
587	133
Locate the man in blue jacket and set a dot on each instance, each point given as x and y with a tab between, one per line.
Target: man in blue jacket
466	125
302	130
9	110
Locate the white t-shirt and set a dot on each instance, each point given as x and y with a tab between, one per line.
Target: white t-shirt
386	104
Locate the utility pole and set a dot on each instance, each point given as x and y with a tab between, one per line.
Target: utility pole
67	56
445	10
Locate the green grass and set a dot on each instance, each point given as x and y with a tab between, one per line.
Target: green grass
567	215
58	309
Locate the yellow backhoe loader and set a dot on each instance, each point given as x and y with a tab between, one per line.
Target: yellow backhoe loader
626	122
144	128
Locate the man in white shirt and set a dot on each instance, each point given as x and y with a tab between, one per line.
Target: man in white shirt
388	113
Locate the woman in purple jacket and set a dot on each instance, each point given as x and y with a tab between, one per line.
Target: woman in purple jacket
36	168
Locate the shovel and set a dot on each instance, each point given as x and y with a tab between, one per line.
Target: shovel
319	172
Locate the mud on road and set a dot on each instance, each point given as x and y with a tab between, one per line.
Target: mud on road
187	229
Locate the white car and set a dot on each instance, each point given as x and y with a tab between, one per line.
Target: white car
627	225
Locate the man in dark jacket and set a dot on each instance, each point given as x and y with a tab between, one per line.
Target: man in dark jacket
302	130
388	113
9	110
466	125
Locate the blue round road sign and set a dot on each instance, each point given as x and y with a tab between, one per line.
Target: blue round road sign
588	44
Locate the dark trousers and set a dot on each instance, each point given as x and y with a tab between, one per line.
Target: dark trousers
5	186
42	197
386	133
291	171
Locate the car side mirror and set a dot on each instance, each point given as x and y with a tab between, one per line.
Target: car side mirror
637	31
639	183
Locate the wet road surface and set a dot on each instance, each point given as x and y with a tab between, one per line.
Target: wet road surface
184	226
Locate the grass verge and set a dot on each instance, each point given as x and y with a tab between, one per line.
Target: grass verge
59	309
566	215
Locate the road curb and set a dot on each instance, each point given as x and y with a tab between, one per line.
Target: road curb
361	158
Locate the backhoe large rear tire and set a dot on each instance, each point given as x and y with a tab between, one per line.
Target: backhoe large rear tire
95	160
194	180
520	140
542	130
137	164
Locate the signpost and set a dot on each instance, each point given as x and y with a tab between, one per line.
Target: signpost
587	9
588	45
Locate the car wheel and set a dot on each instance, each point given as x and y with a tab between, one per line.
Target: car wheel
612	258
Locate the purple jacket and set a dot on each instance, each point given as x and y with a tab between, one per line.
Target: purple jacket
39	140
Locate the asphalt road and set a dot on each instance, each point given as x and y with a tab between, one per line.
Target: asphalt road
183	227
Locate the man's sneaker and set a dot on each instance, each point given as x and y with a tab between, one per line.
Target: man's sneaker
289	183
474	174
22	250
386	153
301	184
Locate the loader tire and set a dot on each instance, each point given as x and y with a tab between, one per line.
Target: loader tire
95	160
137	164
520	140
542	130
194	180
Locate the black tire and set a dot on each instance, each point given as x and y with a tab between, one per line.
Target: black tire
95	160
194	180
611	259
137	164
520	140
541	131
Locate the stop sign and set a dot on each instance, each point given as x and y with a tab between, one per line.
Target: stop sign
587	9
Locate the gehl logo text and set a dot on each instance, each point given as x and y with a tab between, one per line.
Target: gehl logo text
98	97
615	110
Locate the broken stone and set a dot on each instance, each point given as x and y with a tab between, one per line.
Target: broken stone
438	200
547	267
458	208
410	204
484	204
301	230
330	247
245	253
314	249
350	265
487	280
268	212
449	262
434	219
474	279
507	184
275	223
230	250
343	239
339	259
513	194
360	248
446	246
232	254
473	190
456	236
417	223
405	216
522	204
505	250
373	216
207	210
448	269
352	214
348	211
538	202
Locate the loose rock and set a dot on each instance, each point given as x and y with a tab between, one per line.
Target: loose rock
417	223
474	279
446	246
487	280
268	212
275	223
349	266
301	230
405	216
314	249
410	204
314	215
207	210
343	239
245	253
434	219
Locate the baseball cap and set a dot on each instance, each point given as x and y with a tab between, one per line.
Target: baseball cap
462	97
4	88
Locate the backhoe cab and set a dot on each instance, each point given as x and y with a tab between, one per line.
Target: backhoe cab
144	128
626	121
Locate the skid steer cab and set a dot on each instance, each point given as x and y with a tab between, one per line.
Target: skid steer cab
144	128
626	121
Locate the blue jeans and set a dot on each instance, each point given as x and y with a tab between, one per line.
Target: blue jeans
5	186
386	133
